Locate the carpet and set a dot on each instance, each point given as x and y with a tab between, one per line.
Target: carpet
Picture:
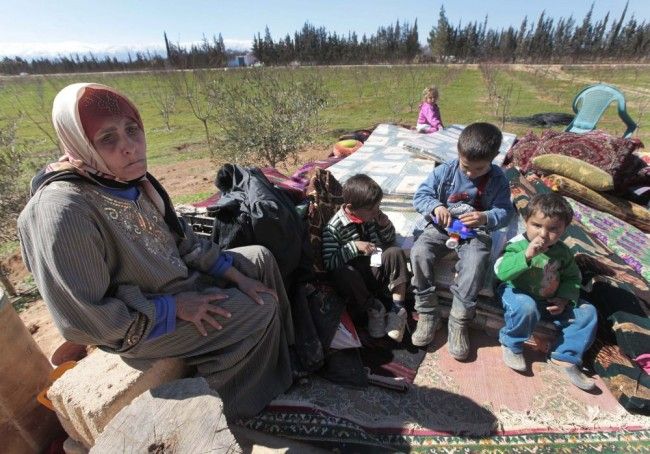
479	405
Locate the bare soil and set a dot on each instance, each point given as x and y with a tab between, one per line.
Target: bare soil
179	179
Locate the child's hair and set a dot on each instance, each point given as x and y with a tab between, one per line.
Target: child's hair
431	91
551	205
479	142
361	191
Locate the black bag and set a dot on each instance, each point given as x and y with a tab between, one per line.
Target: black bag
253	211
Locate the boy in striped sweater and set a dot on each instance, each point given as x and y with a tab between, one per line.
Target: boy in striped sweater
361	260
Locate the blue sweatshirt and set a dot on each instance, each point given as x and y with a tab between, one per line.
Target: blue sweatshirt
447	179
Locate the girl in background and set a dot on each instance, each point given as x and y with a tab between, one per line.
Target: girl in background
429	118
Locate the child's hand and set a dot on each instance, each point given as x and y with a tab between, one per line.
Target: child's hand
556	305
443	215
365	247
473	219
537	246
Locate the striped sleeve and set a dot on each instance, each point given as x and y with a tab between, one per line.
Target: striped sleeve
65	251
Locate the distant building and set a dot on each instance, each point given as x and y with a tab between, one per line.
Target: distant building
242	60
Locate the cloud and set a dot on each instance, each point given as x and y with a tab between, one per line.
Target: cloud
65	48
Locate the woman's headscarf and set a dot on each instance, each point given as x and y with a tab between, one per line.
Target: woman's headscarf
78	112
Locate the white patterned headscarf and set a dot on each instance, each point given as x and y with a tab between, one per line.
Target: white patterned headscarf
79	154
78	151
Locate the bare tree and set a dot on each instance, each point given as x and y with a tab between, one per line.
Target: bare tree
40	114
195	88
163	95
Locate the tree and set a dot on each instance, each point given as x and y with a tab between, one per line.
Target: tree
194	88
439	37
163	95
267	116
412	43
13	195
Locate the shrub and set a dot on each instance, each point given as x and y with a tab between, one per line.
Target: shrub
267	116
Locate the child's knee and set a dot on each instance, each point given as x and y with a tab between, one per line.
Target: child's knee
522	304
421	253
394	251
528	306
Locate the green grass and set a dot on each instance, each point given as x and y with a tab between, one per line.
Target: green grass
359	97
191	198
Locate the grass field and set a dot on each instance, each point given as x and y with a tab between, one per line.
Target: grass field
358	97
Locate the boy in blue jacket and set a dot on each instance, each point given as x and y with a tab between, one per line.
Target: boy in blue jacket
482	189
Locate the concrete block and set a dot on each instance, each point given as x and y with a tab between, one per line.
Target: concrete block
89	395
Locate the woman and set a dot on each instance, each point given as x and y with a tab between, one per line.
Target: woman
118	269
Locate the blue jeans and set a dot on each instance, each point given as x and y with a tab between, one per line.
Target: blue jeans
522	312
473	259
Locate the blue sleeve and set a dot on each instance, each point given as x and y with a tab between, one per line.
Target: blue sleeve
221	265
165	316
502	210
426	198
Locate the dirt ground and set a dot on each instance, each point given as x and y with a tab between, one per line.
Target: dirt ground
181	178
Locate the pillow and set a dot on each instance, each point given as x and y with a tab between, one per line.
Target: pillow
636	215
575	169
346	147
612	154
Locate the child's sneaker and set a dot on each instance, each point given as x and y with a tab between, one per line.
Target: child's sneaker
425	330
574	375
377	320
396	324
514	361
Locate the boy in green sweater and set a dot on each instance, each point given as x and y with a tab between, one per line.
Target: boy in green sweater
541	280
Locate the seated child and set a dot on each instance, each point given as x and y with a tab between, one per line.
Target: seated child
357	231
541	280
429	118
473	180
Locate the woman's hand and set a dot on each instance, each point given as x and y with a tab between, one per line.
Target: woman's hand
556	305
443	216
473	219
248	285
197	308
253	288
365	247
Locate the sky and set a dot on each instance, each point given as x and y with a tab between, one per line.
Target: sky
47	28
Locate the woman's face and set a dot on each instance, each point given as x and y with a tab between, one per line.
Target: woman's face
122	145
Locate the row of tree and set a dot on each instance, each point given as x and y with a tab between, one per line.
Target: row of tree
311	45
543	41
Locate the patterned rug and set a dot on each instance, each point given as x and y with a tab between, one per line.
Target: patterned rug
480	405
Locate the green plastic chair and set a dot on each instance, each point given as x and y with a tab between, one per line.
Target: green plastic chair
590	104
